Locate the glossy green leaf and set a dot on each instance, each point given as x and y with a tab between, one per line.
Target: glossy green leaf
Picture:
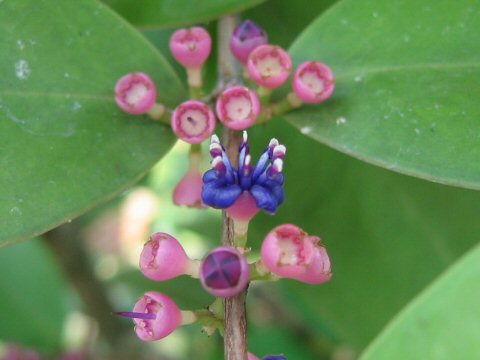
441	323
388	235
34	297
283	20
406	74
154	14
64	144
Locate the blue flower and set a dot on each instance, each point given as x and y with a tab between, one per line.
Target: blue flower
223	184
274	357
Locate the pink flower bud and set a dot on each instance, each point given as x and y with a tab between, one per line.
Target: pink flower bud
289	252
155	316
224	272
188	191
238	107
163	258
269	66
135	93
193	121
245	38
313	82
244	208
250	356
191	47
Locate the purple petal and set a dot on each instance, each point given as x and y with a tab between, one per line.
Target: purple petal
219	195
265	198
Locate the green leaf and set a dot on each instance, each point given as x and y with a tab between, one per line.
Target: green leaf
283	20
441	323
65	146
406	72
154	14
388	235
34	297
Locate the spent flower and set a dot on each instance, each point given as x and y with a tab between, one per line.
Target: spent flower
289	252
224	272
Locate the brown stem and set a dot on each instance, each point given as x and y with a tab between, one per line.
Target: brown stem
235	338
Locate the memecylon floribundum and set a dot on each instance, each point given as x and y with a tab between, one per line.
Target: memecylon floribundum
244	190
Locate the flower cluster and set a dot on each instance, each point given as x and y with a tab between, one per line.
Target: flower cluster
239	187
287	251
238	107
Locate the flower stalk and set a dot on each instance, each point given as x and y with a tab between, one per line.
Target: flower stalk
235	339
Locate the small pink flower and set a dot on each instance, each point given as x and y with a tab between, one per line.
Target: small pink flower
289	252
188	191
269	66
238	107
224	272
250	356
313	82
135	93
163	258
155	316
245	38
191	47
193	121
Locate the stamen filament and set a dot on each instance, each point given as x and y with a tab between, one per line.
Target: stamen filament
135	315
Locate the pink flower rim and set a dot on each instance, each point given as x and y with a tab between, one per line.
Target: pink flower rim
238	107
135	93
269	66
313	82
193	121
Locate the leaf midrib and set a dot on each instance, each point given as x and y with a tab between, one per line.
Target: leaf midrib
363	71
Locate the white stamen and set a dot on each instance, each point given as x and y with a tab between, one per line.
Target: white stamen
215	139
245	136
273	142
215	146
270	66
239	107
278	165
136	94
279	149
313	81
248	160
217	160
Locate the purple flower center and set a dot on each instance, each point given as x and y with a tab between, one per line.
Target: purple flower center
248	30
224	184
221	270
